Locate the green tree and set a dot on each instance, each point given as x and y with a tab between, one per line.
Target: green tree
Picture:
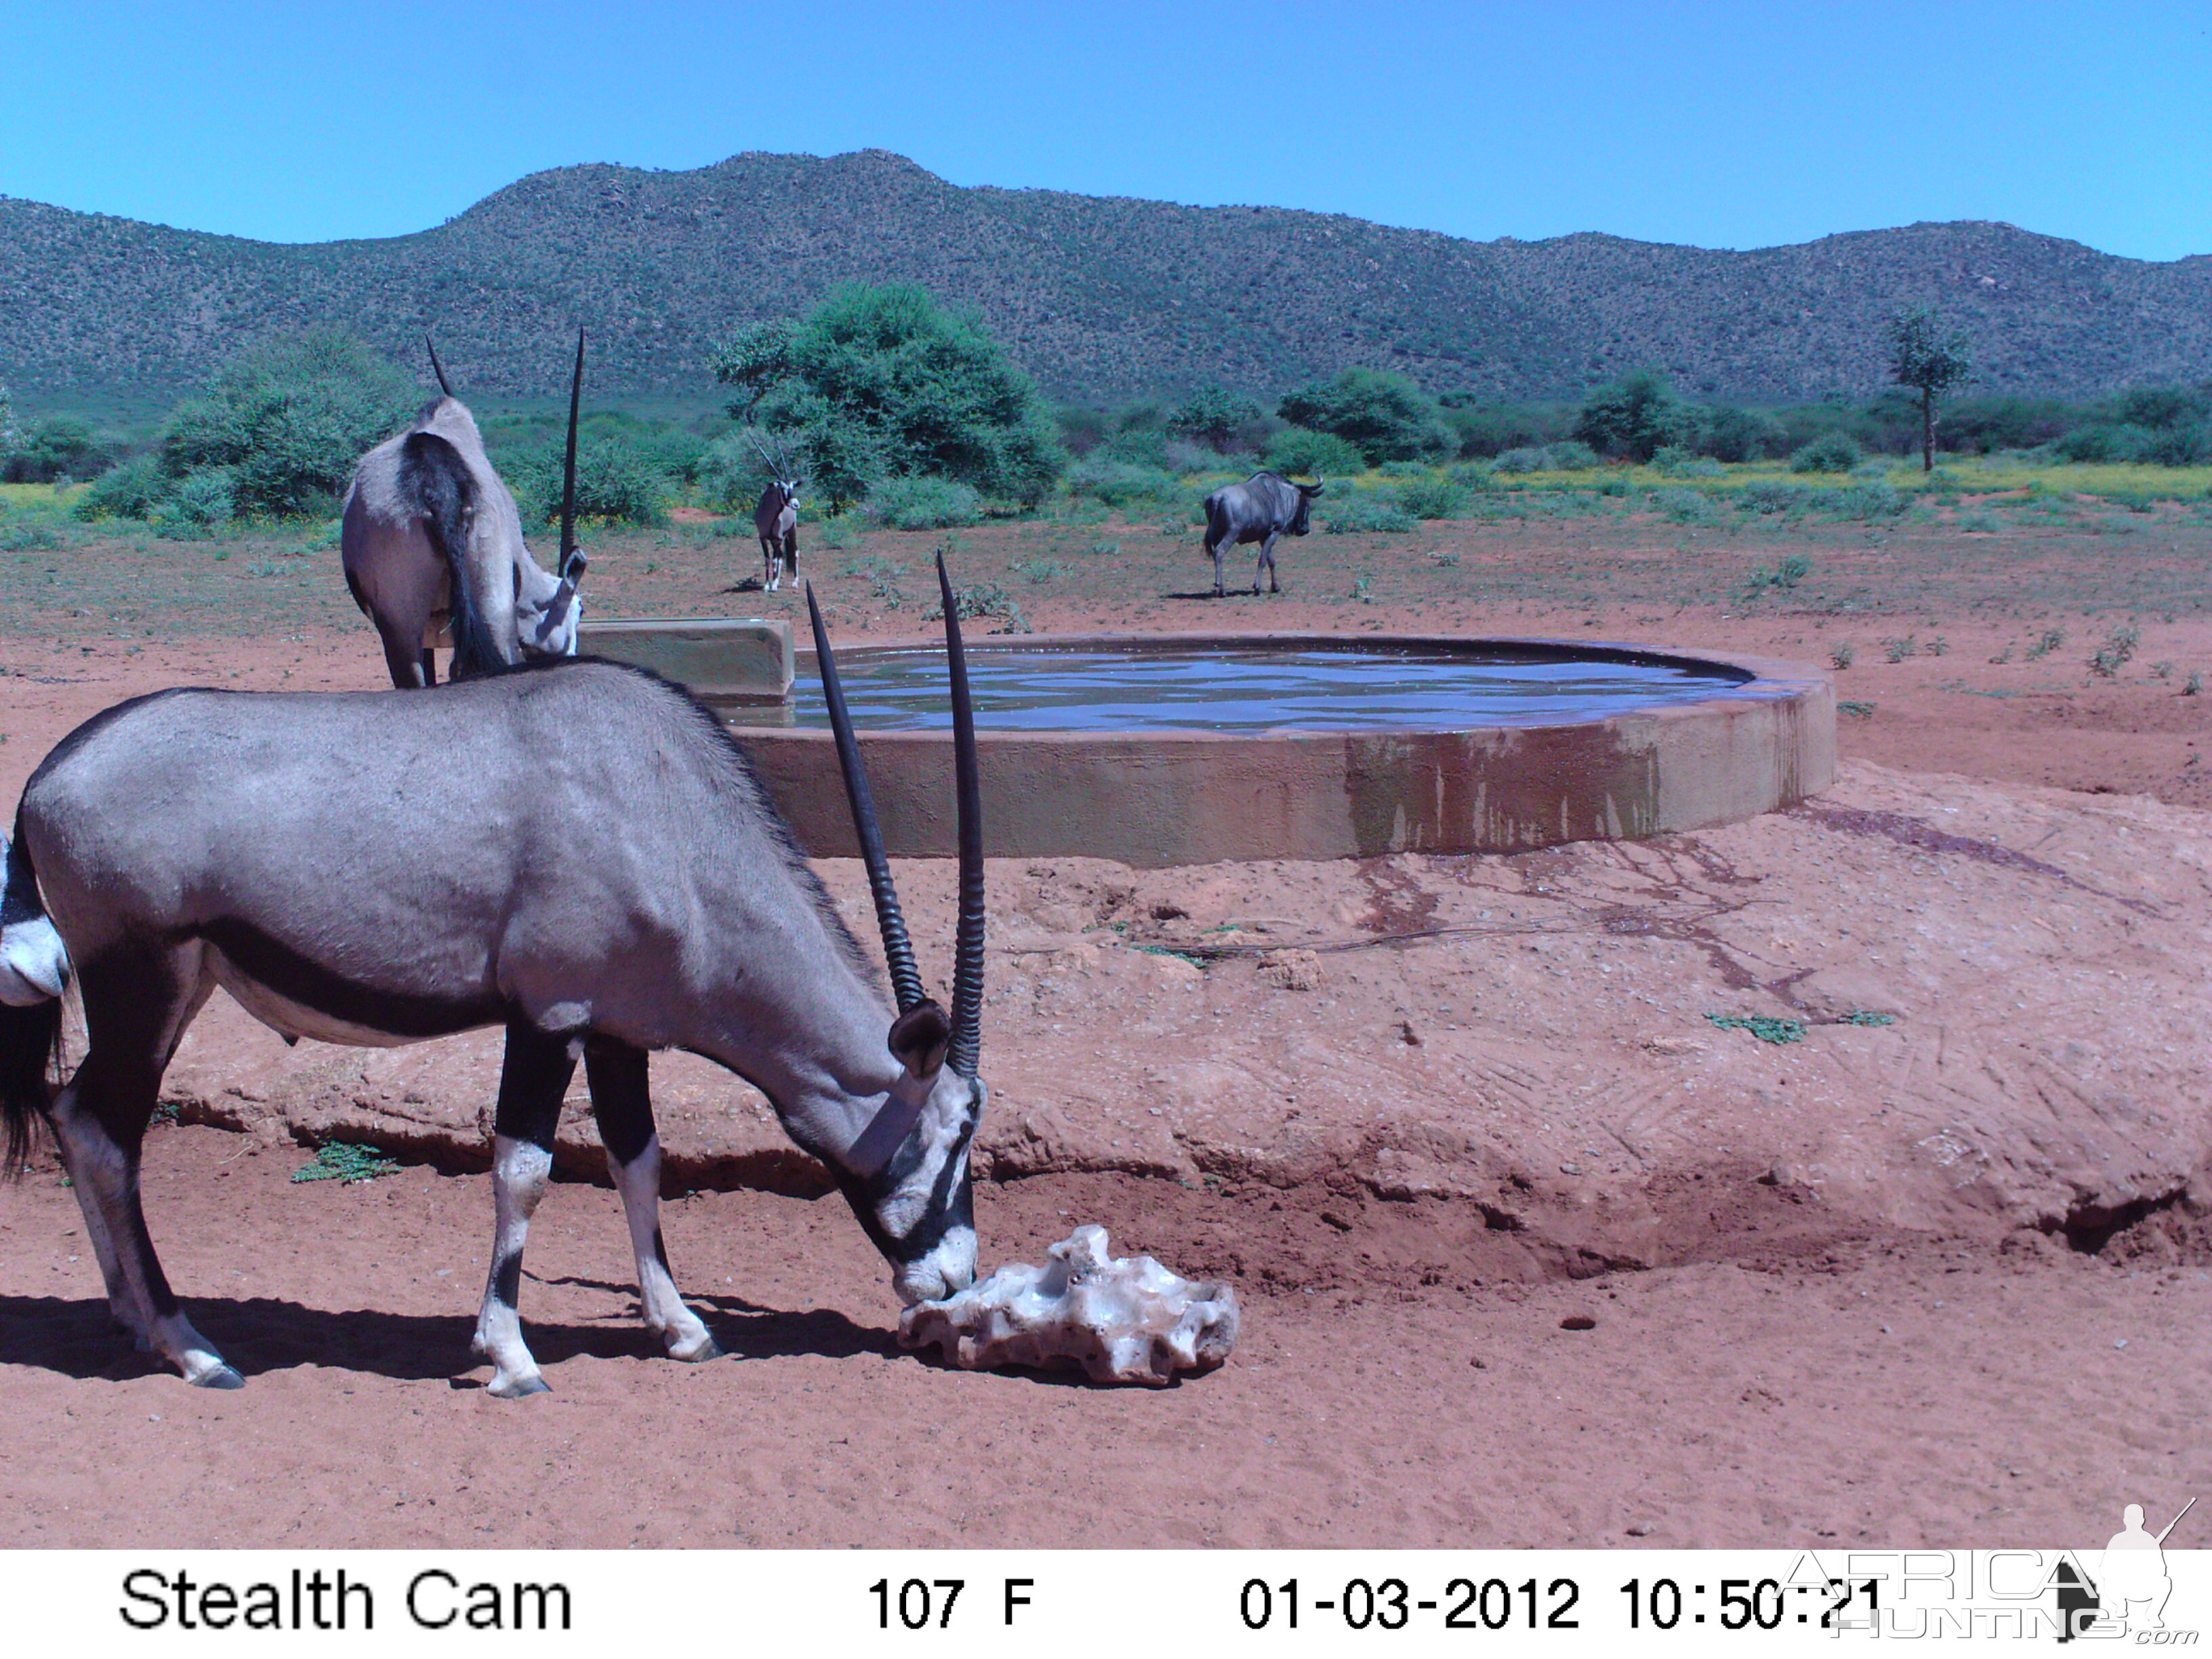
882	382
1215	417
289	419
1931	361
1637	415
7	419
60	446
1386	416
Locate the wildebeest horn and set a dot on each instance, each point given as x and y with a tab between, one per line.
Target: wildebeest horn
899	949
968	959
572	562
437	367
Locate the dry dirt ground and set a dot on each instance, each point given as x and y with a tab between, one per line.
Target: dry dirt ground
1939	1271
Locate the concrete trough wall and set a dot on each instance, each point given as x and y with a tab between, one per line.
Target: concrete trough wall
737	661
1157	799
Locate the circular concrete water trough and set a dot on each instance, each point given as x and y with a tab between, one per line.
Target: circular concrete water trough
1639	742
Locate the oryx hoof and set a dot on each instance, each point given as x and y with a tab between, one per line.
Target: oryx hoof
220	1376
518	1388
694	1351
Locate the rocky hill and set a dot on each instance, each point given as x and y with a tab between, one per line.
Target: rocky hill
1100	298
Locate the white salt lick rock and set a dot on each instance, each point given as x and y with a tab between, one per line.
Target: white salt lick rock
1121	1319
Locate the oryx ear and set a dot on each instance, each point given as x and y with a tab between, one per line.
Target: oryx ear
919	1039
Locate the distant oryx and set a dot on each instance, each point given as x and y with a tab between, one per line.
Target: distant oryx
776	520
575	850
1261	508
432	544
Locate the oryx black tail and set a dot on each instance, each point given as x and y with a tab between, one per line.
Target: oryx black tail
433	476
33	969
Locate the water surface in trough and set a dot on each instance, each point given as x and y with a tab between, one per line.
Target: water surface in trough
1229	689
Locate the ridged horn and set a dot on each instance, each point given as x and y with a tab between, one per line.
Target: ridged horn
775	472
968	958
899	949
437	367
570	563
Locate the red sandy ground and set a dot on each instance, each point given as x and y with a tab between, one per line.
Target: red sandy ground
1833	1290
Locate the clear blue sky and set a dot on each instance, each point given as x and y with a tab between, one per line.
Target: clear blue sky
1721	124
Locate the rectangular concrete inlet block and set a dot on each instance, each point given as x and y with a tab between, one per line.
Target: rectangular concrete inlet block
719	659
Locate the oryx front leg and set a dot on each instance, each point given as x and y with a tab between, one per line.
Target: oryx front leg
623	1103
533	1079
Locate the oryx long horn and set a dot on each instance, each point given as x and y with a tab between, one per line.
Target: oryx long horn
968	959
436	367
899	949
568	554
775	472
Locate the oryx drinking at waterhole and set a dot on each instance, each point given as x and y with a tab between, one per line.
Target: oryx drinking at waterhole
431	542
776	520
1262	508
576	850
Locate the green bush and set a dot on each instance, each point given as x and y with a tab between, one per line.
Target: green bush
1680	506
1431	496
1873	498
1673	463
1123	485
1299	451
614	482
1222	420
924	503
288	420
1637	415
128	491
882	383
1833	452
202	498
1385	416
1743	434
55	450
1772	495
1363	512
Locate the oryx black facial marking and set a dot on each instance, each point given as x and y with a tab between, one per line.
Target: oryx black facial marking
369	868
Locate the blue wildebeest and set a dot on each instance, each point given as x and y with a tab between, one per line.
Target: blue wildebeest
574	849
432	544
1261	510
776	520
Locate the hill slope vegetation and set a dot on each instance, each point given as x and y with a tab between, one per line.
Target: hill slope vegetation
1097	297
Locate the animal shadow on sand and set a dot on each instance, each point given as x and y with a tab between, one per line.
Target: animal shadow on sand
77	1338
1233	594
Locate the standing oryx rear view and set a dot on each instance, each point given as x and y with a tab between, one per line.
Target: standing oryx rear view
576	850
432	544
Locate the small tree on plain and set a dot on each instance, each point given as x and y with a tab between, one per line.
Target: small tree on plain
1925	356
883	382
1386	415
1637	415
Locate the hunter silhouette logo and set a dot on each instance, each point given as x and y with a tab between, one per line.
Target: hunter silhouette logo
2130	1585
